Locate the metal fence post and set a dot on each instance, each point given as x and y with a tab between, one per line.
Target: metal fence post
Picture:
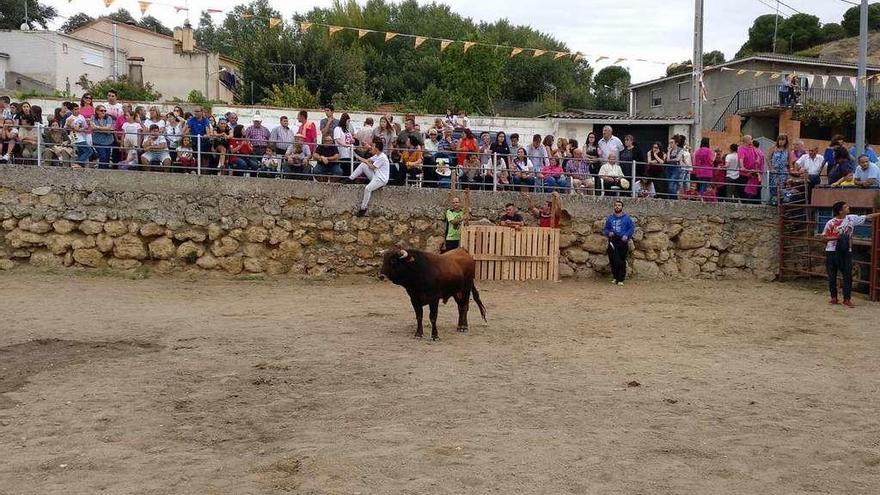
198	155
39	126
632	185
494	172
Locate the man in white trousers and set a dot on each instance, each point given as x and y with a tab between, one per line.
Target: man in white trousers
376	169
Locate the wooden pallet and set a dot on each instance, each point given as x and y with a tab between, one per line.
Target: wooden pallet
504	253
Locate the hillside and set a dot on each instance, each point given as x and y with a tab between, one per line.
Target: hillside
846	49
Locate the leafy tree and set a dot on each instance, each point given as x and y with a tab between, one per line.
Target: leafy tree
125	89
122	16
851	17
760	36
12	14
355	96
75	22
714	57
290	96
832	31
206	33
153	24
800	31
612	88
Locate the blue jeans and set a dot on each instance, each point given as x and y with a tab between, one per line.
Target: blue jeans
560	182
530	182
672	185
83	153
104	152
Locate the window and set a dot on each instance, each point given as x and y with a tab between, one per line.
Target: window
656	98
92	57
63	47
684	91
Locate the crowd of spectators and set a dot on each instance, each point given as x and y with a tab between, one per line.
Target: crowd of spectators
118	135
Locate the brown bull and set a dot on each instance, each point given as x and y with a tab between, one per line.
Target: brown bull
429	277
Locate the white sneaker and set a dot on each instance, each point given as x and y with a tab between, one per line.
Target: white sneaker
5	158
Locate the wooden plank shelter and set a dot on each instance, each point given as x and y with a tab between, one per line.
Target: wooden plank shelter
505	253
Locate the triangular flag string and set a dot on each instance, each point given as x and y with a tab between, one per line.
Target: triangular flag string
334	29
144	5
108	3
468	45
515	52
559	55
274	22
304	26
362	33
538	53
444	44
420	40
389	36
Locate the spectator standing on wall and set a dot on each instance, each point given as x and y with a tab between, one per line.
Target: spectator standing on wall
281	137
609	143
838	249
619	229
329	122
780	161
376	169
454	217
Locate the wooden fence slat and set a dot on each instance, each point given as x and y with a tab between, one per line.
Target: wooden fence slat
502	253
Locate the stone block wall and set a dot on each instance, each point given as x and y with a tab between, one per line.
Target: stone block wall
94	219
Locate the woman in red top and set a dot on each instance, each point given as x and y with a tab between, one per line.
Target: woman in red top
307	129
466	146
240	150
704	160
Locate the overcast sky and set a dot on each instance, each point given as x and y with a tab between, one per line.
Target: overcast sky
649	29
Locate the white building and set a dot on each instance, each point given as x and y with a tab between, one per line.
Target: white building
48	61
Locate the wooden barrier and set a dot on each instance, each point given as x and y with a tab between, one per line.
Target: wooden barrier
505	253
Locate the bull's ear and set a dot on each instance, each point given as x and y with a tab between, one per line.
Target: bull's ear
409	259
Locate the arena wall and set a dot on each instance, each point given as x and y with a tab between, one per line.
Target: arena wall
171	223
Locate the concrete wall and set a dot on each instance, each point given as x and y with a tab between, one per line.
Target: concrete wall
55	59
4	67
172	74
181	223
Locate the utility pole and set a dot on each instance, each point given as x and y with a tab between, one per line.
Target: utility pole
115	55
862	92
775	26
697	96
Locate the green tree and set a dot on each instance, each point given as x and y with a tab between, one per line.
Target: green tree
125	89
715	57
612	88
75	22
760	36
832	31
800	31
206	33
153	24
290	96
850	22
122	16
12	14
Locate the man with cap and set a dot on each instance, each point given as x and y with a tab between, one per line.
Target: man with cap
258	136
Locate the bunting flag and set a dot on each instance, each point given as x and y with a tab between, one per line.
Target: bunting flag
420	40
810	78
389	36
824	81
141	3
179	9
619	61
538	53
839	80
578	56
468	45
444	44
362	33
741	72
210	11
559	55
334	29
854	82
601	58
758	73
251	16
274	22
774	76
107	3
515	52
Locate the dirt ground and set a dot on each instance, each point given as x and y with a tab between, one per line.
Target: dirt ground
158	386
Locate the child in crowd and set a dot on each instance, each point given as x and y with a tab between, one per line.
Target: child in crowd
644	188
847	180
691	193
710	195
271	163
444	174
185	155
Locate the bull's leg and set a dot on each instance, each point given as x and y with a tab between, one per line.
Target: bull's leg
463	301
417	306
433	316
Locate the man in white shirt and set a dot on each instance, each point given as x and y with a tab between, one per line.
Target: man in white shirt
365	134
78	126
155	149
612	176
609	143
867	174
811	165
537	154
377	169
838	249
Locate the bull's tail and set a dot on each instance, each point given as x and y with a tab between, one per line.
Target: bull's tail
476	294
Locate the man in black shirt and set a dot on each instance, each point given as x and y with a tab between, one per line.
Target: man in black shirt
326	156
511	217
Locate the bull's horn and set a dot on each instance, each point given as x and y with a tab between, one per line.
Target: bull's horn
403	254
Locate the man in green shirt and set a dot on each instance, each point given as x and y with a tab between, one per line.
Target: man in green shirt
454	217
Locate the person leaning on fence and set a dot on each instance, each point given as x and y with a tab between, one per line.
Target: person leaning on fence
612	176
810	166
522	171
454	216
867	174
56	145
78	126
619	229
545	215
296	160
511	217
376	169
838	249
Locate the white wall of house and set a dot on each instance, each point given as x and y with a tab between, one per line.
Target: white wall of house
55	59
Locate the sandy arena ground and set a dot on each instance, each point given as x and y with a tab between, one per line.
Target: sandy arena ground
173	386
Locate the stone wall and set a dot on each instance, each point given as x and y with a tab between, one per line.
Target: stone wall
55	217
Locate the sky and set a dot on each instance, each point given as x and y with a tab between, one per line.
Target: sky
660	31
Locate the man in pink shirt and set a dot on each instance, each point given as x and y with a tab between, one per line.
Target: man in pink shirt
703	163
